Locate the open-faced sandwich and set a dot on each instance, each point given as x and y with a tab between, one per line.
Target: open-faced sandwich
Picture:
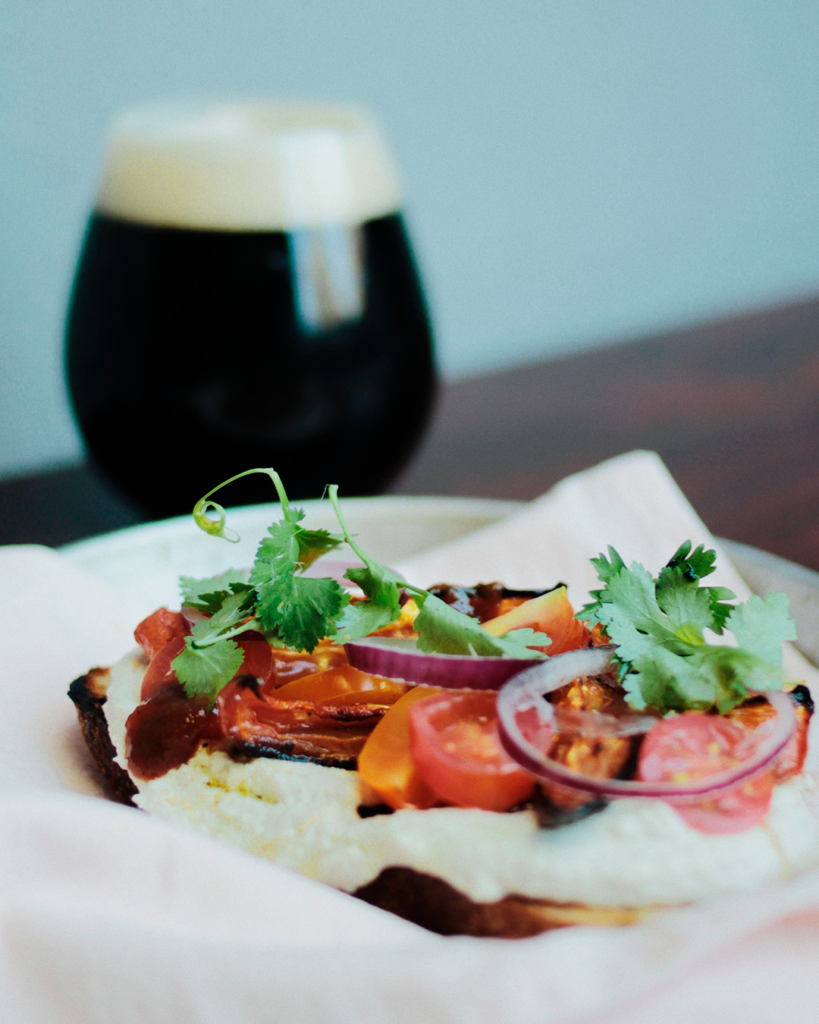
479	760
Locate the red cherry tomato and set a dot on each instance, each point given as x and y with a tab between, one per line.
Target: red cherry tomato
159	629
456	749
385	764
695	745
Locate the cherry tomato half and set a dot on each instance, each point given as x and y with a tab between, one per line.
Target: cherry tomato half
385	763
457	751
695	745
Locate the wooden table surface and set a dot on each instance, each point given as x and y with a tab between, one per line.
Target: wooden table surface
732	406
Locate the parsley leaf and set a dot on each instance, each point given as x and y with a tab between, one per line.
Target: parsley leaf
290	547
444	630
211	658
277	554
762	625
234	608
685	570
692	565
720	677
315	543
441	629
382	606
300	610
631	615
207	594
687	606
606	570
204	671
380	585
658	624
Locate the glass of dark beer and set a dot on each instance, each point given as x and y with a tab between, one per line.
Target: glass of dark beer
247	296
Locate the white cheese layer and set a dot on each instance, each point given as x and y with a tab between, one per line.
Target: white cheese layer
637	852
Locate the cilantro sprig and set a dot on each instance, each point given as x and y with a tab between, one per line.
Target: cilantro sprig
297	611
290	609
658	626
441	628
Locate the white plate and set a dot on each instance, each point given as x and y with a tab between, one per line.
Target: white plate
147	560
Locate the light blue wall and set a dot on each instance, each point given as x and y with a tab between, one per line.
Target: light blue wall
577	171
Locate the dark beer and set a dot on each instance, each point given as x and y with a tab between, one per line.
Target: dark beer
195	351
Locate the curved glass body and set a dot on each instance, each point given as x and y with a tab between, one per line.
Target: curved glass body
195	354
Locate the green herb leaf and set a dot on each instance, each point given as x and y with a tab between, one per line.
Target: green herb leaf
762	625
720	677
207	670
207	594
300	610
443	630
606	571
277	555
233	608
685	570
687	606
290	547
658	626
631	615
528	637
382	606
315	543
693	566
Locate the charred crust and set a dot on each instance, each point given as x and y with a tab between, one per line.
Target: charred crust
437	906
373	810
801	696
88	694
286	752
549	816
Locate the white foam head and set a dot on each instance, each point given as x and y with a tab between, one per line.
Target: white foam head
254	165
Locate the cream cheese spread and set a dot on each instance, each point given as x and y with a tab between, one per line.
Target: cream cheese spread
636	852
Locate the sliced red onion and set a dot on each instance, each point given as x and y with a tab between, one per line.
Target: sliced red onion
334	568
526	691
399	658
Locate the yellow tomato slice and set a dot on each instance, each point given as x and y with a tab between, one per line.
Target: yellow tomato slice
293	665
385	763
342	685
551	614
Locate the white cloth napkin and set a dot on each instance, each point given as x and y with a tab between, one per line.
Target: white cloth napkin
107	915
631	503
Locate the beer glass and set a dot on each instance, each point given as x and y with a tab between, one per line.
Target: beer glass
247	296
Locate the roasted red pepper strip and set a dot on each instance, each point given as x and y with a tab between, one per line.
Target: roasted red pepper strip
261	725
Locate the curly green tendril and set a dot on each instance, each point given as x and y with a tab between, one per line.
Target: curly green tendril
204	508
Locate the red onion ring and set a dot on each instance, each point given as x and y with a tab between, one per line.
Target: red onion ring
526	691
399	658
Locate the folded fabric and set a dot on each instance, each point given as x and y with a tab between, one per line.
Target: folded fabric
107	915
631	503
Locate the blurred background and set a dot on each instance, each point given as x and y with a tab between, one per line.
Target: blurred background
577	172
